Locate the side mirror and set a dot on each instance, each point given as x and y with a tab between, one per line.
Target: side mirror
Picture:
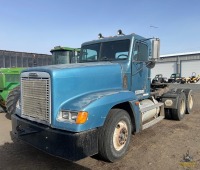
156	49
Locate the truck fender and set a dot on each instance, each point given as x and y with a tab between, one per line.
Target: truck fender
189	98
119	100
99	104
170	99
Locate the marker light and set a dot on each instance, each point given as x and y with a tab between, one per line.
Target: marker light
119	32
100	36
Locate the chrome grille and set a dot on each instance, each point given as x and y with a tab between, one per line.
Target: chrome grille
36	98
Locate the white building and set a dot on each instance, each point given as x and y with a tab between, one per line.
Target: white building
183	63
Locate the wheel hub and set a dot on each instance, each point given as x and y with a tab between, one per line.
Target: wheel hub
120	135
190	101
183	106
123	136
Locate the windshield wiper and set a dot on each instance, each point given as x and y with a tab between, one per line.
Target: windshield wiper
87	61
105	59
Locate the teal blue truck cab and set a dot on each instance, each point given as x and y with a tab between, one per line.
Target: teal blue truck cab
94	106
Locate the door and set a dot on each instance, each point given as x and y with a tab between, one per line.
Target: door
140	73
187	67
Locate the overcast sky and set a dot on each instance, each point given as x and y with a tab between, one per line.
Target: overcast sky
39	25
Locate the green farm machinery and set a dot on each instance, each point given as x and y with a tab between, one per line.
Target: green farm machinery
64	55
9	83
10	78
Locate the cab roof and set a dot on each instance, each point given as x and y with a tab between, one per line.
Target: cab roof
59	48
115	38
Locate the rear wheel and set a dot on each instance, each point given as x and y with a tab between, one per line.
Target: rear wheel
179	112
115	135
168	113
13	101
189	101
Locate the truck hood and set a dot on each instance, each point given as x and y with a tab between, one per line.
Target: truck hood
51	68
70	81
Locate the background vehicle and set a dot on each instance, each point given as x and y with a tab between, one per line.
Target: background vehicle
64	55
185	80
9	78
159	79
78	110
194	78
175	78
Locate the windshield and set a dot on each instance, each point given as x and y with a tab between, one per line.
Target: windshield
63	57
173	76
105	51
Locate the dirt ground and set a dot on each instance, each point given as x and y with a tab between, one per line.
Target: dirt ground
161	146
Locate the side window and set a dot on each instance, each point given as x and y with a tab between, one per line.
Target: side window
89	54
141	52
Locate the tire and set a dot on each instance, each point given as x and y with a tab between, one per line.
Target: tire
114	136
13	100
2	109
179	113
189	101
168	113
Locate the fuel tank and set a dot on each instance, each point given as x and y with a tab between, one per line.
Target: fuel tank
153	113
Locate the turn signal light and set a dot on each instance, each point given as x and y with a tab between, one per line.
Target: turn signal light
81	117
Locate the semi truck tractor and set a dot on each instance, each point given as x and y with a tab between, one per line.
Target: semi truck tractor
95	106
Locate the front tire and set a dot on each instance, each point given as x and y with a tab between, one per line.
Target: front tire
114	137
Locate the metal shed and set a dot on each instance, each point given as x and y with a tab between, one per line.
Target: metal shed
10	59
182	63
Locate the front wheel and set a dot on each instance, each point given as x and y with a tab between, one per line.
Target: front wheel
114	137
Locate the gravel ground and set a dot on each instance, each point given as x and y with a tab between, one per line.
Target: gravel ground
161	146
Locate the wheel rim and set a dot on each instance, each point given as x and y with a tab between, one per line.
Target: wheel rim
18	106
182	107
120	135
190	101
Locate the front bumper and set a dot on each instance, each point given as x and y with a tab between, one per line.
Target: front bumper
67	145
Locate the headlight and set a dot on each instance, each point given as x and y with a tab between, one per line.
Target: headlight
74	117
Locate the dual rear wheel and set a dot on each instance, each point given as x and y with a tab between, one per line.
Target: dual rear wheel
184	106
